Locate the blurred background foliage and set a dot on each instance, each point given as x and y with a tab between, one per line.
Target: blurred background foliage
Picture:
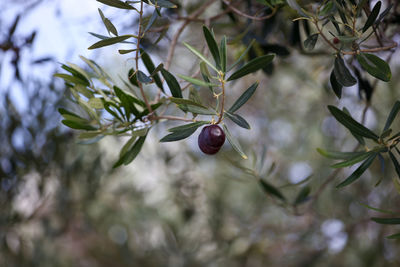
61	204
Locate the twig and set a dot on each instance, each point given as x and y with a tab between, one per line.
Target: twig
221	114
237	11
180	30
355	52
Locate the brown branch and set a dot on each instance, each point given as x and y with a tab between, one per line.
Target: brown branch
221	114
355	52
237	11
174	41
376	49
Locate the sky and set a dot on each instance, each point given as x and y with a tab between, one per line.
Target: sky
62	33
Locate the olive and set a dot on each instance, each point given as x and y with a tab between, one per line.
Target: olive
336	40
211	139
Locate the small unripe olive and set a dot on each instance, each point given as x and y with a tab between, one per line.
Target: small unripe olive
211	139
336	40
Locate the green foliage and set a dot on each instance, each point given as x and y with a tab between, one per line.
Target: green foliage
134	107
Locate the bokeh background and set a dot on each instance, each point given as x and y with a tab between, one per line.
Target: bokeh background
62	204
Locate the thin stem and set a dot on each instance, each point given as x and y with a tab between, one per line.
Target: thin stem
221	114
137	58
376	49
237	11
323	36
174	41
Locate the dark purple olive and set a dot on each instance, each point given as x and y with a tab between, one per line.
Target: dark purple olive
211	139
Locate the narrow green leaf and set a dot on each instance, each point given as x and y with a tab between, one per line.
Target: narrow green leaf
222	52
242	55
212	46
200	55
375	66
353	160
179	135
358	172
394	236
89	135
63	112
107	107
352	124
372	17
234	143
303	195
116	3
96	103
132	153
103	37
128	145
385	134
239	120
392	115
395	163
386	220
153	19
110	41
199	110
78	125
347	39
78	73
196	125
271	190
310	42
196	81
148	63
71	79
376	209
108	24
75	119
338	154
336	86
383	14
342	74
126	102
184	101
163	3
205	74
126	51
173	84
243	98
132	77
252	66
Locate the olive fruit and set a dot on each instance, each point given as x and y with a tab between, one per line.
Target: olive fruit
336	40
211	139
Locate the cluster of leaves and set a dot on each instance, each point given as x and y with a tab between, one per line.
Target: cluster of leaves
126	110
386	142
348	39
114	111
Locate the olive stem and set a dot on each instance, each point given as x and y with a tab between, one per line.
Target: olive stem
221	114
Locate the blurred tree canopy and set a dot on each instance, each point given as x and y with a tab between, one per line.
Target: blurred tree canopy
317	87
